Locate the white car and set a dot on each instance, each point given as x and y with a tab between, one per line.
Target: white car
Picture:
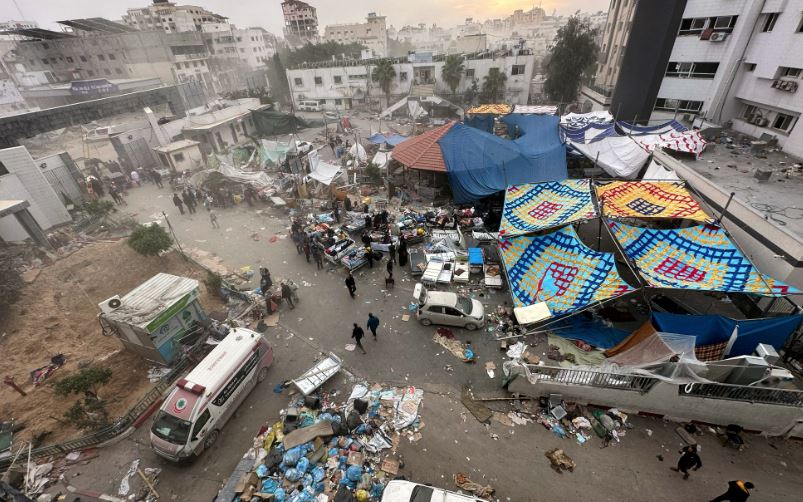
407	491
450	309
303	147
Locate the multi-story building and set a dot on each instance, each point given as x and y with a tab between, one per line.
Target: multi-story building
300	23
108	53
373	34
614	39
7	29
171	18
252	46
339	85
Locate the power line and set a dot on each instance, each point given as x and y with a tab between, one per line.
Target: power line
19	10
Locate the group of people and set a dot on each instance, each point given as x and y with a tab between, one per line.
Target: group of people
738	490
286	292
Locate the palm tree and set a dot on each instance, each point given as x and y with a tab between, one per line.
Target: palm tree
384	74
452	71
493	85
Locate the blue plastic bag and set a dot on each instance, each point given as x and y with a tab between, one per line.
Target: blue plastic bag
307	480
303	464
292	456
318	473
270	485
280	495
354	473
292	474
262	470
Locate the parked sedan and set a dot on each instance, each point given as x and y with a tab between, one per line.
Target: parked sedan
450	309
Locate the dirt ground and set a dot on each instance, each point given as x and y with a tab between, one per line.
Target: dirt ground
57	314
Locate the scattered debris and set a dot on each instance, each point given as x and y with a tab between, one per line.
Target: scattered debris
560	461
464	483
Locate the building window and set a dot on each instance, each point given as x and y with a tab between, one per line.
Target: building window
783	122
91	73
118	71
44	60
692	70
402	76
338	79
518	69
83	59
178	157
723	24
338	102
101	57
750	66
769	22
107	71
195	64
786	71
69	59
298	81
186	65
692	26
318	81
178	66
112	57
322	102
52	60
800	27
679	105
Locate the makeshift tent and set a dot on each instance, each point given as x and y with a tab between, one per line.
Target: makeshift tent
535	110
712	329
480	164
701	257
637	130
657	348
273	153
574	120
685	142
358	151
588	133
537	206
415	110
589	329
481	122
272	123
498	109
560	270
657	172
320	170
648	199
381	159
391	139
423	152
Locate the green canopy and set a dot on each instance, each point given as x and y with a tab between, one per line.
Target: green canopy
272	123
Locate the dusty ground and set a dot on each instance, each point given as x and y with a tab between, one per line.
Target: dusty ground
57	313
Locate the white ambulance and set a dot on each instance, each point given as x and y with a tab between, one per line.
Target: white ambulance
191	417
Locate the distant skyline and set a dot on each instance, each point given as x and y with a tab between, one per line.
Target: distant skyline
268	13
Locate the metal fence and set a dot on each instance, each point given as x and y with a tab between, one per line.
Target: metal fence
115	429
785	397
591	378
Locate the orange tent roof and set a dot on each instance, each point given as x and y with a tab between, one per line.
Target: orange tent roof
423	151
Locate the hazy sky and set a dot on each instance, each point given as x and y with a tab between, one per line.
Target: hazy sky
268	14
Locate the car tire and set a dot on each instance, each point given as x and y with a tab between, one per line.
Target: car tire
211	439
470	326
262	375
425	322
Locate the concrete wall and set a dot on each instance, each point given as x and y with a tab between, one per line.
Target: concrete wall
62	174
25	181
664	399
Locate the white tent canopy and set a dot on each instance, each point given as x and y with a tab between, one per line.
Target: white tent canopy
321	170
619	156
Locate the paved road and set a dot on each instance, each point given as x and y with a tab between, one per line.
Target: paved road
404	354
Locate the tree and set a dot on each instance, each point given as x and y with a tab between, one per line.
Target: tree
383	74
452	71
571	61
89	413
493	86
472	92
98	209
149	240
277	76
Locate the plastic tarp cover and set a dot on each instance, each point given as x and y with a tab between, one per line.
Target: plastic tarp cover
649	199
538	206
259	179
591	330
581	119
358	151
701	258
392	139
685	142
272	123
657	172
273	153
657	348
560	270
321	170
710	329
619	156
637	130
481	122
382	159
416	110
588	133
535	109
480	164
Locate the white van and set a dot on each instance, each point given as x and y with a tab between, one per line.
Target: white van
451	309
191	417
309	106
407	491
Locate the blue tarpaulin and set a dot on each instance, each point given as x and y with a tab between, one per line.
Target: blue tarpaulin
480	164
711	329
391	139
590	330
481	122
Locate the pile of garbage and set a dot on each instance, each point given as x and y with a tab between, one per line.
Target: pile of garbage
321	450
569	420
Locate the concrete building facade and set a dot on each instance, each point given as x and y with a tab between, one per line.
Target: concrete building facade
169	17
300	23
373	34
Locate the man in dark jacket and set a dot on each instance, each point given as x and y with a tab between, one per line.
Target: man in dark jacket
287	294
357	333
178	202
690	459
738	491
350	284
373	323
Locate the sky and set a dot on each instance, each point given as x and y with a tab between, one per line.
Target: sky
268	14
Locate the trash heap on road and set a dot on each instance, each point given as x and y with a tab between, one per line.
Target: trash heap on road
320	450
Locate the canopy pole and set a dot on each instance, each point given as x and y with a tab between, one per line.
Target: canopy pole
725	209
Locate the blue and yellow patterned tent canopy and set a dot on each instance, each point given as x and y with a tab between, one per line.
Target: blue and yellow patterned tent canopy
532	207
649	199
560	270
700	257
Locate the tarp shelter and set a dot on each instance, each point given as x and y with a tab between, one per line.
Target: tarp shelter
358	151
574	120
619	156
320	170
657	172
712	329
495	109
481	122
588	133
691	142
701	257
381	159
533	207
648	199
422	151
560	270
535	109
273	153
589	329
273	123
658	348
391	139
638	130
480	164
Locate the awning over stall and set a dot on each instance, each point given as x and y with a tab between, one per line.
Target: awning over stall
532	207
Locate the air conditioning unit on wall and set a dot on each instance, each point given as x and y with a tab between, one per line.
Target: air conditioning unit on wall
110	305
718	37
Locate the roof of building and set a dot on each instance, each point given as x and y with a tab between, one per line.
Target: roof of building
39	33
98	24
181	144
12	206
151	298
423	151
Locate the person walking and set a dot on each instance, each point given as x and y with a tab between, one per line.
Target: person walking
357	333
688	460
135	177
369	253
317	255
265	280
738	491
307	250
213	219
403	255
157	178
392	253
350	284
372	324
189	201
389	268
287	294
337	212
178	202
